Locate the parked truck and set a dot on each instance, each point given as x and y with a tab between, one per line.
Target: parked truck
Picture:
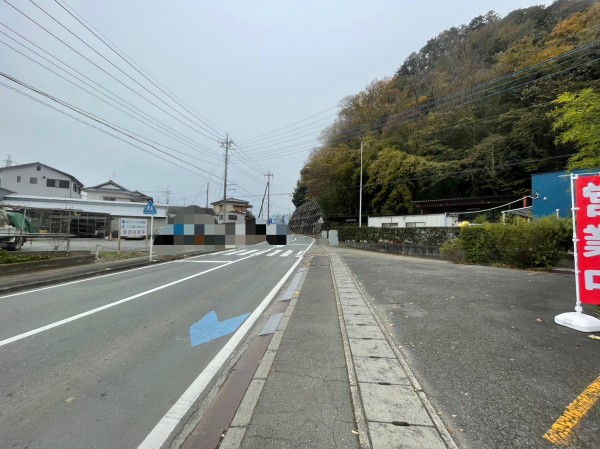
14	227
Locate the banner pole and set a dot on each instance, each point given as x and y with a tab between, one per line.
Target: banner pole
577	320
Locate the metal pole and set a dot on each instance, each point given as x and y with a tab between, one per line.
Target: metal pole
152	234
574	208
361	187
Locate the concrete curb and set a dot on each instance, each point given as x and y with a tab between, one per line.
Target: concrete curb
393	409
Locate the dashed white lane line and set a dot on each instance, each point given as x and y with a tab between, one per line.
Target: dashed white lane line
277	251
287	253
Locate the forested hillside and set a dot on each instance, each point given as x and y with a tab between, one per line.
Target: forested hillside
473	113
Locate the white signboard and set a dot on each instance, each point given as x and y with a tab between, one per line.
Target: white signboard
134	228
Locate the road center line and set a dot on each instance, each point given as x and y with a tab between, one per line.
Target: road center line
112	304
561	430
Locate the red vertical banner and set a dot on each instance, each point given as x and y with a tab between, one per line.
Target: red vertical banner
587	217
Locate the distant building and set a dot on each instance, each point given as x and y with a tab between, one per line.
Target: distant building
413	221
236	210
111	191
39	179
191	214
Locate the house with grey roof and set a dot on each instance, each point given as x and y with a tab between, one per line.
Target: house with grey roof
39	179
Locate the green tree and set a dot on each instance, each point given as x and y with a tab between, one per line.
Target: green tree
299	197
577	121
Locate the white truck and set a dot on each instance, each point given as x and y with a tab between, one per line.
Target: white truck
12	228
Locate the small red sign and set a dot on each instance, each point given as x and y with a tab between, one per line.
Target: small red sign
587	217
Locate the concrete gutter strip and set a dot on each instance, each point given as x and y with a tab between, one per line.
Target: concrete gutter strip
393	403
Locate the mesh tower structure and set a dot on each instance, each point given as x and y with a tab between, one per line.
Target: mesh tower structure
306	219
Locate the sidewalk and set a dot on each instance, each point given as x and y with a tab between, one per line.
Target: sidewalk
330	378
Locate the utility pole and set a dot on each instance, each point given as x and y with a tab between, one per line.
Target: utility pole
360	196
207	187
225	144
269	176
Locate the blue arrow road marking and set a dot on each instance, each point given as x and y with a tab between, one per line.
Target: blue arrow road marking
209	328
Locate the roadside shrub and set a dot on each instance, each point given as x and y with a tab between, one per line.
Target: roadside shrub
415	236
453	251
539	244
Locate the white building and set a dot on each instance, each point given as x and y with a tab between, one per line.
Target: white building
111	191
414	221
39	180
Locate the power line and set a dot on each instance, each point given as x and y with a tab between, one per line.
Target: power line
115	66
215	132
109	74
111	95
97	128
110	104
97	119
416	113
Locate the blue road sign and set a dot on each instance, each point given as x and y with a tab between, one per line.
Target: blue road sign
150	209
209	328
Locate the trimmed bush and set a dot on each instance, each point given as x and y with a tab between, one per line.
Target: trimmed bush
416	236
539	244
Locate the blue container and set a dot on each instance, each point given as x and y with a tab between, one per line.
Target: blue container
551	192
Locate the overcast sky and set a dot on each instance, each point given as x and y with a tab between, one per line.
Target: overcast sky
270	74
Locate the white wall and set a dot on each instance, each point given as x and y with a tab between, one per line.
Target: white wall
19	179
418	221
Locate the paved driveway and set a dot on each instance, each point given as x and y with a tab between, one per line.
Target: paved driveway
483	343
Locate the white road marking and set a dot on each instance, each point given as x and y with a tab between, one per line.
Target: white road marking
263	252
237	251
169	422
112	304
274	252
301	253
247	252
202	261
287	253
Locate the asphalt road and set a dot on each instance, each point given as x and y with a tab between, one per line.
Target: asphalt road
98	363
484	346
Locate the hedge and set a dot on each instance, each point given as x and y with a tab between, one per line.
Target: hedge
416	236
539	244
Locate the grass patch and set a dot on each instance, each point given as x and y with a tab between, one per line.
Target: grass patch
107	256
6	258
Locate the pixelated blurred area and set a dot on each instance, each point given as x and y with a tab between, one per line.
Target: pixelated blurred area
190	236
